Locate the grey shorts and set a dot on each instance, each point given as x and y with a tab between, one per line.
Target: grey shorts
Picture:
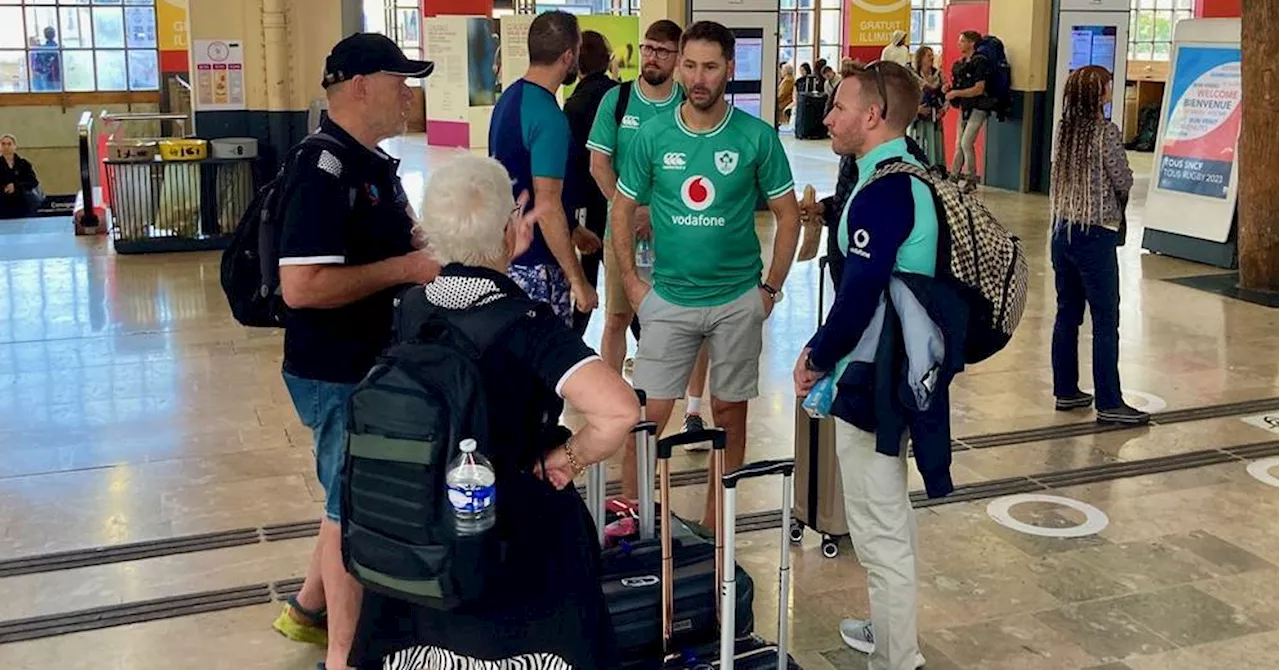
673	334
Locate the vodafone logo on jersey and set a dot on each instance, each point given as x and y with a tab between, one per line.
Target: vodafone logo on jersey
698	193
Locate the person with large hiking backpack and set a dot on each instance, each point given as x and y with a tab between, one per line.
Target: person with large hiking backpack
340	225
477	360
969	92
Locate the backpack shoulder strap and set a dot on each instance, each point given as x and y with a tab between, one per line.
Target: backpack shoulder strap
624	98
323	139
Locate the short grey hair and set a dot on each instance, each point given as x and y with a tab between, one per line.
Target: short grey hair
465	209
8	136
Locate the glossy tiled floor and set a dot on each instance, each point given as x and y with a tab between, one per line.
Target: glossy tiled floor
132	408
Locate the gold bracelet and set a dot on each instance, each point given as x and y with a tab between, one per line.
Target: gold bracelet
573	460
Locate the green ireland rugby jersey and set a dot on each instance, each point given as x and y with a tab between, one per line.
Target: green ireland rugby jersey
702	188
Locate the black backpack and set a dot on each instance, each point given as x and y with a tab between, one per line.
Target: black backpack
424	396
250	270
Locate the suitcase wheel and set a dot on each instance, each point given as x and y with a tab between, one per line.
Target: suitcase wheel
830	546
797	531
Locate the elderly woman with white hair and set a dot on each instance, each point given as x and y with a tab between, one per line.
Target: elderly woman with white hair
548	610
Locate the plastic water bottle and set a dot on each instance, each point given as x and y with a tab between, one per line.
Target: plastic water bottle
644	254
471	492
818	403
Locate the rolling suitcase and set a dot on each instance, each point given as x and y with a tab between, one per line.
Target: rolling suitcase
810	111
630	573
819	501
746	652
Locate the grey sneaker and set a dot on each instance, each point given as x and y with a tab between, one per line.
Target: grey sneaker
694	422
857	634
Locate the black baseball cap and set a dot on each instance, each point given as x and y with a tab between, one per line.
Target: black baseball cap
370	53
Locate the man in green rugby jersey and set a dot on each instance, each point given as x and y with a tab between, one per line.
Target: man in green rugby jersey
702	168
655	92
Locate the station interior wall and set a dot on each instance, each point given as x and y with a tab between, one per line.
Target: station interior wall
45	123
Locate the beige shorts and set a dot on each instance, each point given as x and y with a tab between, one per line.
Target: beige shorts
615	292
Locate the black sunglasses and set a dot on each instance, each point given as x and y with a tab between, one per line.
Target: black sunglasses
880	87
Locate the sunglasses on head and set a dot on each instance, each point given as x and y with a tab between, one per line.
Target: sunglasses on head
874	68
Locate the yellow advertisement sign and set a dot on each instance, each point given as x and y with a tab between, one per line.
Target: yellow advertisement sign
623	35
872	22
171	25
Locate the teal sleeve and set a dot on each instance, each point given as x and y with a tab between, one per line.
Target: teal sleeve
604	130
636	178
919	253
546	133
773	172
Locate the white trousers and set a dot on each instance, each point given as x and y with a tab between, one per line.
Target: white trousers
882	526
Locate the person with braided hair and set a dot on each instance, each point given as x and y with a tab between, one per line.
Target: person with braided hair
1088	191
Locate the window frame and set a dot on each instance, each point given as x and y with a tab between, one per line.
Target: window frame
1149	49
148	91
920	12
811	50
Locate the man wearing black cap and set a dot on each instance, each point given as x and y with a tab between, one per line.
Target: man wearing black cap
346	246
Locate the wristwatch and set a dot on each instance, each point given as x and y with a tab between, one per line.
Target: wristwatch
774	293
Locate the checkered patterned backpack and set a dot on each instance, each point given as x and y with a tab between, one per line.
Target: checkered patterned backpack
981	256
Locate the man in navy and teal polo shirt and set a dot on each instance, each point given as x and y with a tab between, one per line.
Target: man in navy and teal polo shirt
530	136
701	168
888	226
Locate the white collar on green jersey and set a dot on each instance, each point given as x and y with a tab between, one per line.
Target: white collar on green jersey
675	90
704	133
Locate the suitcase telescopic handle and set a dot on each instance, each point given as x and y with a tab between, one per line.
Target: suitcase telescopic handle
715	436
784	466
650	427
728	579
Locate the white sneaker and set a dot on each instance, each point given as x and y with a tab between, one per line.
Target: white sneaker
857	634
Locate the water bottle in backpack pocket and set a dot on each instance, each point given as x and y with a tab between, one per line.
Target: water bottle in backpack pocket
419	513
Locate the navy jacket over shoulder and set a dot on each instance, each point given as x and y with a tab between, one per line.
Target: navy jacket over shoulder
876	395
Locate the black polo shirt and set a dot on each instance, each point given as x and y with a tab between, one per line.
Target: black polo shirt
341	207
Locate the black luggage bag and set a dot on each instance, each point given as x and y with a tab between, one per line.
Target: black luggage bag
631	572
811	110
746	652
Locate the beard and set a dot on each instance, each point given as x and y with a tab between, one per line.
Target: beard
655	76
571	76
849	145
712	98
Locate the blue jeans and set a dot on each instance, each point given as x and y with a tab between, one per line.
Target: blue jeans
322	407
1086	271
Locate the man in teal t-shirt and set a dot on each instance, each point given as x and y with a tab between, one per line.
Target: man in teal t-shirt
702	168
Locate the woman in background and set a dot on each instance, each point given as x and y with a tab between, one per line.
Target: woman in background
786	93
1088	189
19	189
927	129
